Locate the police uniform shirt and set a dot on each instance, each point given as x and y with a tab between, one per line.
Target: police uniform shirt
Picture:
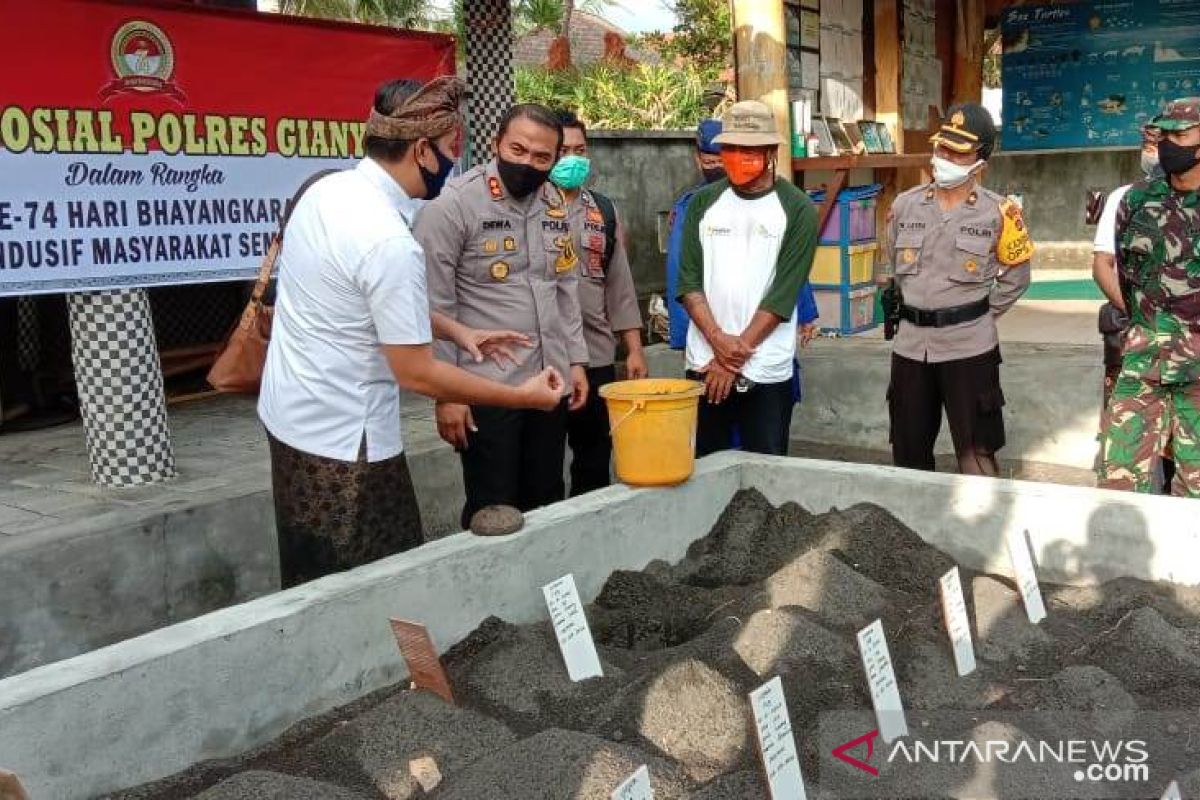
942	259
351	278
607	297
496	262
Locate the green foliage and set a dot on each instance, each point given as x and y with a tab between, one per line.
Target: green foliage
396	13
645	97
703	35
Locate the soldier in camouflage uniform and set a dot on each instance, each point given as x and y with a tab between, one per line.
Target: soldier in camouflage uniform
1156	401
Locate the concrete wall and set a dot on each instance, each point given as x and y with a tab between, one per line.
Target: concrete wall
643	172
223	683
105	579
845	385
1052	395
1055	189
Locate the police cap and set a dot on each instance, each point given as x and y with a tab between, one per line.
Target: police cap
968	128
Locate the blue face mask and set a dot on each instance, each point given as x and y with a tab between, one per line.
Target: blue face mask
434	181
571	172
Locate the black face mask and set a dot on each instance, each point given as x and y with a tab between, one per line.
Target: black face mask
434	181
1175	159
521	180
713	174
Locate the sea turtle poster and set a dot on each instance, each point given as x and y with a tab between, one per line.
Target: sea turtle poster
1091	74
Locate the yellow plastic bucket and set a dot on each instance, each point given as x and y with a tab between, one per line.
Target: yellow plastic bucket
653	424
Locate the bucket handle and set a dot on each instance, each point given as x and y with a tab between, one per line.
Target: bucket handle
638	405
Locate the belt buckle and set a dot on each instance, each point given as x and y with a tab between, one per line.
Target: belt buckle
742	385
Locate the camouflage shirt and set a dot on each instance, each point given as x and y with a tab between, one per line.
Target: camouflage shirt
1159	265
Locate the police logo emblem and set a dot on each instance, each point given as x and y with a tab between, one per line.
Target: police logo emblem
490	246
143	60
500	270
971	266
567	259
510	244
909	256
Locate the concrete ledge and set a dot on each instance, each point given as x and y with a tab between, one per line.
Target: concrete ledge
1052	393
97	581
220	684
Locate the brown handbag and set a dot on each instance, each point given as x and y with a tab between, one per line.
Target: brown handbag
239	366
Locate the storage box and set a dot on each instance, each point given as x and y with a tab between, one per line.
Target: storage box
846	310
843	265
853	216
852	221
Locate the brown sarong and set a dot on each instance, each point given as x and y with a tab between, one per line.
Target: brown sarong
333	515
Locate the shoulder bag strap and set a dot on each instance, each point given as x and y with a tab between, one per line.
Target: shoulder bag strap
268	262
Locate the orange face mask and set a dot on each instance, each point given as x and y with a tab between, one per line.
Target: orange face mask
743	166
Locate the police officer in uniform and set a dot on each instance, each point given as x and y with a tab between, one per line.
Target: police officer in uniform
959	256
499	254
607	301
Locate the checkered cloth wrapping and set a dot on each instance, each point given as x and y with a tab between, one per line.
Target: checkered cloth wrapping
489	72
120	388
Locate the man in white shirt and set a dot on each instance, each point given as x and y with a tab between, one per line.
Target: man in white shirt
352	326
748	245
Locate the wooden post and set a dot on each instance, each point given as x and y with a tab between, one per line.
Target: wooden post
887	99
968	51
887	68
760	56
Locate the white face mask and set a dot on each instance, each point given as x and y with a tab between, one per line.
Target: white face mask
948	175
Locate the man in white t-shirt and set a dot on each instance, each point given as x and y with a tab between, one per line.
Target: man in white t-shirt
748	245
1104	264
352	326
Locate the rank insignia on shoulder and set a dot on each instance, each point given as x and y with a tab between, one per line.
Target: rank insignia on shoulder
500	270
1014	246
490	246
494	188
510	244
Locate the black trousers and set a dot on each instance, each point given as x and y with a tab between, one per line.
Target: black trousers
514	459
968	389
588	437
761	416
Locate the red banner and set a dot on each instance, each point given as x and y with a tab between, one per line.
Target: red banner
150	143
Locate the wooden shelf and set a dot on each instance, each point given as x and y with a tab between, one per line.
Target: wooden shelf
867	161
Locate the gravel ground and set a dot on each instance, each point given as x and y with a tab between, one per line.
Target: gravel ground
770	591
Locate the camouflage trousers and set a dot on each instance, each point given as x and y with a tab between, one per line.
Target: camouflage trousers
1144	421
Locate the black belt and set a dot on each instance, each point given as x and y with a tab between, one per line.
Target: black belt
945	317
